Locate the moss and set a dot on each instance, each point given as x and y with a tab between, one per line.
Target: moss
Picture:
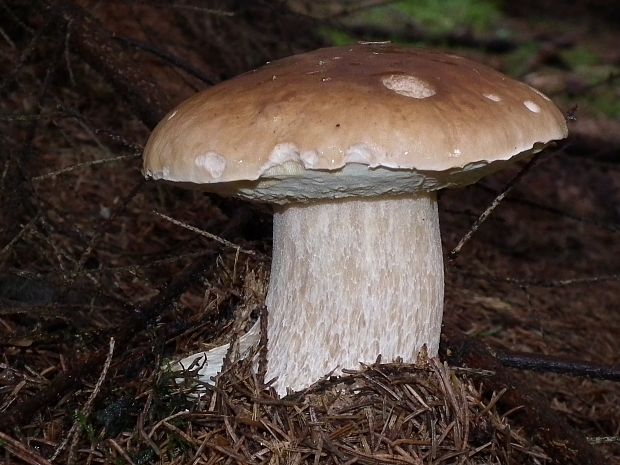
517	62
442	16
437	18
337	37
579	57
604	99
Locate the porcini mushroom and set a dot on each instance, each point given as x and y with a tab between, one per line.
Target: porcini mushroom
351	144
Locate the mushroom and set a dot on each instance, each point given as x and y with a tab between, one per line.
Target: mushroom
351	144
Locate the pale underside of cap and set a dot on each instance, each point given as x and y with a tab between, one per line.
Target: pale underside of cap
360	120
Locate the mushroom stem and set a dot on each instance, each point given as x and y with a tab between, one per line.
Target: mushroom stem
352	279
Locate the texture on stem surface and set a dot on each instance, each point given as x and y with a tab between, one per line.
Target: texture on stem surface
351	280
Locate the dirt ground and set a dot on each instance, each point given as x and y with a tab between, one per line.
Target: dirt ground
85	254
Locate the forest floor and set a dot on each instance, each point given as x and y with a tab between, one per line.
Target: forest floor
86	257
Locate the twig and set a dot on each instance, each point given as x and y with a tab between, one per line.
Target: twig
8	13
555	364
166	420
25	54
85	413
188	439
496	397
203	445
68	55
26	117
564	282
120	140
140	426
121	451
498	199
168	58
206	234
85	164
122	205
412	32
133	269
525	283
19	235
22	452
604	440
262	351
84	124
7	39
17	192
96	46
200	9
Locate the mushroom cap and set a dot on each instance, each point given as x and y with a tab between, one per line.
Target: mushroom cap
362	120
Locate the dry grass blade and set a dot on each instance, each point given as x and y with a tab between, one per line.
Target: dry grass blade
74	433
208	235
496	201
17	449
383	414
74	219
86	164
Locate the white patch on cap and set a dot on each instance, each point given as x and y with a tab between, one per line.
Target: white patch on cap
281	154
159	174
212	162
309	158
409	86
494	97
360	153
533	107
455	153
172	115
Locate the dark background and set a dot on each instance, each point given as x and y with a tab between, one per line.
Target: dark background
83	255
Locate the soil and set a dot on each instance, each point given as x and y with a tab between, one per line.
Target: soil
84	257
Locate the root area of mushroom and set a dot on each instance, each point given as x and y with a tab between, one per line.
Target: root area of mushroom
352	280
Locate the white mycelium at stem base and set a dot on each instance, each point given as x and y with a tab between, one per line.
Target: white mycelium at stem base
352	279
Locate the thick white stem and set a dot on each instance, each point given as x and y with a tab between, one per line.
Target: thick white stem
352	279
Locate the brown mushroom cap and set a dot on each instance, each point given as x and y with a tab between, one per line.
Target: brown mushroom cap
359	120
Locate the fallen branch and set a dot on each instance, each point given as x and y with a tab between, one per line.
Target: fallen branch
556	364
565	444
